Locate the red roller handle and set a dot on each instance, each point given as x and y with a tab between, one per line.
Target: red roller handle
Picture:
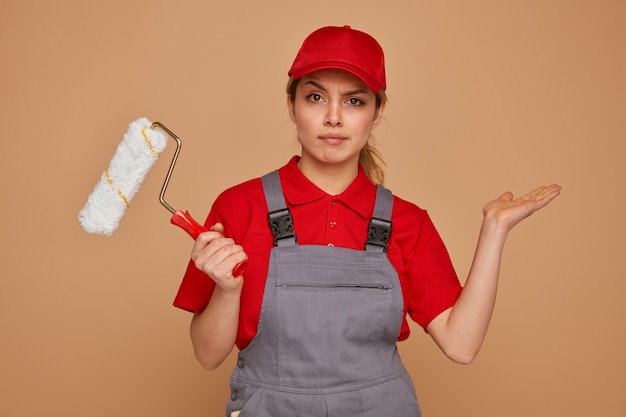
193	228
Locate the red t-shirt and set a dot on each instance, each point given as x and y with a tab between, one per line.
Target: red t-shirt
429	282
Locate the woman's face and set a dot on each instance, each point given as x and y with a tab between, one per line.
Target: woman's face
334	112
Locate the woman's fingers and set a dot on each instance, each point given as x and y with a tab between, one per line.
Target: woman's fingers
217	255
509	211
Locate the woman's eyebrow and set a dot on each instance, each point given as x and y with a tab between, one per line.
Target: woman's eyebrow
348	93
357	91
315	84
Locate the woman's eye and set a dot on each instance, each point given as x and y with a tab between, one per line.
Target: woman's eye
355	101
314	97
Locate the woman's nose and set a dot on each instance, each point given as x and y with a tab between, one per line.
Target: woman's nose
333	116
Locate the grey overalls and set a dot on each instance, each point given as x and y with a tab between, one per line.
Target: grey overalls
330	318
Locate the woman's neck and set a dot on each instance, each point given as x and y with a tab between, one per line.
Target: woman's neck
333	179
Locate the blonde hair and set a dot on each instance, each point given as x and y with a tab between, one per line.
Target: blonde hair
370	158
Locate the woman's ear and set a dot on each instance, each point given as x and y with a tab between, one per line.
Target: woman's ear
290	107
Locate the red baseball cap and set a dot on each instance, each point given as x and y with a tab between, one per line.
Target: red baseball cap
342	48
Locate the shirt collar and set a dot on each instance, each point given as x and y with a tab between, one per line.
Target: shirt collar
359	196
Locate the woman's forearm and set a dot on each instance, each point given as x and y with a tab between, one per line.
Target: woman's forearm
464	326
214	330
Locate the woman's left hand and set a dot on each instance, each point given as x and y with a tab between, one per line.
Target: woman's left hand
507	211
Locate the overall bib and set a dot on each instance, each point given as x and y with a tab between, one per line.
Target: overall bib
326	338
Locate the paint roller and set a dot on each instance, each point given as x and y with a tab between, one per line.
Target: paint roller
135	155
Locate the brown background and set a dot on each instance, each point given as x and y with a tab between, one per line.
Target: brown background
486	96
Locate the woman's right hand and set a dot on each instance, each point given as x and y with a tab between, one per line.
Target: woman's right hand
217	255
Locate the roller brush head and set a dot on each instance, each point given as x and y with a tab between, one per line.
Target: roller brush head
137	152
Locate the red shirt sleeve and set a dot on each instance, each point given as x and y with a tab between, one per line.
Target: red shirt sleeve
196	287
433	284
429	282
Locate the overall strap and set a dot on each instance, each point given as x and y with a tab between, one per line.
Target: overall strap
279	216
379	229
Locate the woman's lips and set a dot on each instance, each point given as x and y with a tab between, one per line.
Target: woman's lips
332	138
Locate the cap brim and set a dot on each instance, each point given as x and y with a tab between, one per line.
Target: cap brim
370	81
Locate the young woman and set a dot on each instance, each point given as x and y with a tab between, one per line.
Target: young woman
335	261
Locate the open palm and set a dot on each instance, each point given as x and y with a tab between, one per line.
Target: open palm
509	211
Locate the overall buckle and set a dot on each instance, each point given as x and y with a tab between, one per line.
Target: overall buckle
281	224
378	233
